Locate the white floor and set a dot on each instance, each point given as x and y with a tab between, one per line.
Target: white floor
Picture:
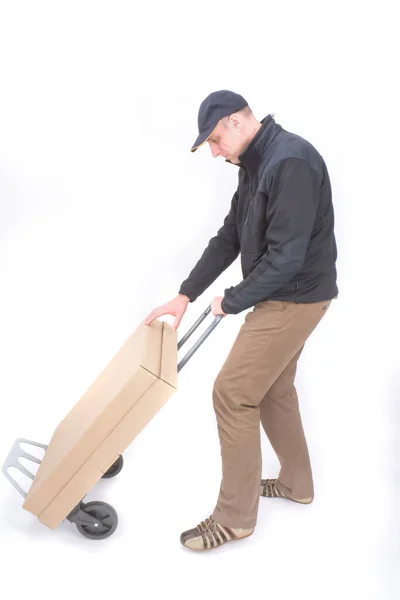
344	545
336	548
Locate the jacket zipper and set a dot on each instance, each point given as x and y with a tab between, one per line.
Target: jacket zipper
250	205
250	201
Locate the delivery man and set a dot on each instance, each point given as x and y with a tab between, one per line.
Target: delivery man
281	222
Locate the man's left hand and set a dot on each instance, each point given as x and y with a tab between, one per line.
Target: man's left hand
216	306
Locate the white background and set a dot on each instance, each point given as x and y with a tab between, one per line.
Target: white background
104	211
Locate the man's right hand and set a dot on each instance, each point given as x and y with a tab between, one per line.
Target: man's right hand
176	307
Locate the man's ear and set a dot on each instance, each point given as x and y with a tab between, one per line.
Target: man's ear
235	121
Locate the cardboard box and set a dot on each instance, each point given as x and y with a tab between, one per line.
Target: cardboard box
118	405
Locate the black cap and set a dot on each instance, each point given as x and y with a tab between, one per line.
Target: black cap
214	108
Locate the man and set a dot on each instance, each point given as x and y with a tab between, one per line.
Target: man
281	221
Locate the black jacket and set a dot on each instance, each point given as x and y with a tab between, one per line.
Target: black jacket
281	221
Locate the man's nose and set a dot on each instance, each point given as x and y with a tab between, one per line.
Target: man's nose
214	150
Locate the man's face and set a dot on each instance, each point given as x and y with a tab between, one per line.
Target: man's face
226	141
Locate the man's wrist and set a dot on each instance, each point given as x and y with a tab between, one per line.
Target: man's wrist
184	296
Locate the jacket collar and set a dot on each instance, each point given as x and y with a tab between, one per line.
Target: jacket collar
251	157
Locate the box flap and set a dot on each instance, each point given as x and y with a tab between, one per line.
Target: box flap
169	359
151	344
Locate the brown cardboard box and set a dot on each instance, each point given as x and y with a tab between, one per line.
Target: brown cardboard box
123	399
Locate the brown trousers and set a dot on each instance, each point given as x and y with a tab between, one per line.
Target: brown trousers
256	383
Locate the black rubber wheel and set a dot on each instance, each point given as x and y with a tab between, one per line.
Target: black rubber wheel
114	469
103	512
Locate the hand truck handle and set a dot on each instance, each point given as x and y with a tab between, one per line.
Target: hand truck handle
201	338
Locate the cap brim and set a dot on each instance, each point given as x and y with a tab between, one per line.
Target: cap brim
202	138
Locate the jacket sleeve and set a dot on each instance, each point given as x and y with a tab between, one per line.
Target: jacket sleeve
291	210
220	253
